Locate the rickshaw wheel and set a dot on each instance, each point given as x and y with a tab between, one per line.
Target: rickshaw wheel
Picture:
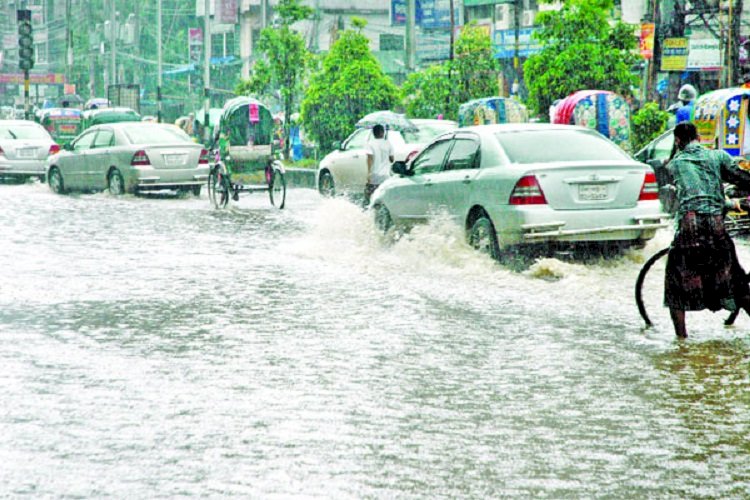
218	188
277	189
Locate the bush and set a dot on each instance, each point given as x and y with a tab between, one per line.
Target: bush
647	123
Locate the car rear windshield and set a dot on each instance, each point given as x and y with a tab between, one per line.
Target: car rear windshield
542	146
23	132
155	135
427	133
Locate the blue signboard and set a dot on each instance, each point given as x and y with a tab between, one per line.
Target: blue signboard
430	14
504	43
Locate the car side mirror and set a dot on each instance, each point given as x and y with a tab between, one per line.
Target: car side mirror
399	168
336	145
68	146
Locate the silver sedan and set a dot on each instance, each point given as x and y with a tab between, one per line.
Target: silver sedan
515	185
24	149
130	157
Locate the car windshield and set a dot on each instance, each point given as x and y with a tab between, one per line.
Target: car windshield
22	132
427	132
155	135
542	146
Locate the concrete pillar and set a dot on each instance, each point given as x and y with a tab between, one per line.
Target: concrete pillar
246	42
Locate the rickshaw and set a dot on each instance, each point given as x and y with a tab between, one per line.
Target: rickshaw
100	116
245	157
492	110
63	124
604	111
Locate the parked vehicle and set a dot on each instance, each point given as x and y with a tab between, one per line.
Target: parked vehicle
492	110
510	193
100	116
129	157
344	170
63	124
245	157
24	148
604	111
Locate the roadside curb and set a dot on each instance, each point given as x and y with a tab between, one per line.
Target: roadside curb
300	177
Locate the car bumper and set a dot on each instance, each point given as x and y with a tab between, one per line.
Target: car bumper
540	224
22	167
151	179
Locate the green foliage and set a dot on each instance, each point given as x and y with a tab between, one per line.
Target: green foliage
349	84
442	88
580	50
283	62
359	23
647	123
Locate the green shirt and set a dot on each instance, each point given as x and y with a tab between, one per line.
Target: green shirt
698	174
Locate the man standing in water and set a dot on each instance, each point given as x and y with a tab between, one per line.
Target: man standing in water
702	267
379	159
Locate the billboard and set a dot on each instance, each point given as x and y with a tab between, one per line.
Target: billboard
430	14
195	45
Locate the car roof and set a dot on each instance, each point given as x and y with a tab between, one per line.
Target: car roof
514	127
20	122
430	121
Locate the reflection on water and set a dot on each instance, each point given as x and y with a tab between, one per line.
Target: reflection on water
155	347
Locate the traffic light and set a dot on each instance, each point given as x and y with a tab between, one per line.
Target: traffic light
25	40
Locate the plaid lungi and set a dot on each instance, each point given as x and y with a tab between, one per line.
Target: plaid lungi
702	267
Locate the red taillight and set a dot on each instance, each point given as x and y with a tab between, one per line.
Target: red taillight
204	157
1	151
140	158
650	189
527	192
54	149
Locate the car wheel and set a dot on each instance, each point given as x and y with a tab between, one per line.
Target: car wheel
326	185
383	220
482	237
116	183
56	183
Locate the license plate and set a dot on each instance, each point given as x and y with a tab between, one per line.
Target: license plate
174	159
592	192
27	153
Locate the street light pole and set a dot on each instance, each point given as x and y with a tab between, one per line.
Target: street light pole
411	14
113	42
158	61
207	65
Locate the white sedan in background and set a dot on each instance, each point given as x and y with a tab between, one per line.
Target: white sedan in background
129	157
24	149
344	170
515	185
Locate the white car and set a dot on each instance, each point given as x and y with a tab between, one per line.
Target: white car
129	157
24	149
521	184
344	170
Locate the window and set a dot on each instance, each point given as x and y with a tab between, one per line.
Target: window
357	140
23	132
40	52
156	135
84	142
663	147
104	139
431	159
463	155
542	146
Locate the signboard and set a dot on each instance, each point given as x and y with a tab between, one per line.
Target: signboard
647	40
704	54
48	79
504	43
195	45
674	54
227	12
429	14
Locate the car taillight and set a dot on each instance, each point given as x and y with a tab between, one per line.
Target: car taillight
650	189
1	151
140	158
54	149
204	157
527	192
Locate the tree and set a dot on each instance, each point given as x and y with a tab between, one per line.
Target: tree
283	61
349	84
440	89
648	122
580	50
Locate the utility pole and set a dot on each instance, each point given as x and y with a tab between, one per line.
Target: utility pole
113	42
517	6
263	14
68	45
207	68
411	38
158	61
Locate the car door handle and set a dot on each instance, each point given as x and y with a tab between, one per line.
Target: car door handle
355	156
467	180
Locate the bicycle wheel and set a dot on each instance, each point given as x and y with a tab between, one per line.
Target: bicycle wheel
218	188
277	189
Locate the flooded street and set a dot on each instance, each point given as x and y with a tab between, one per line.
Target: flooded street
156	347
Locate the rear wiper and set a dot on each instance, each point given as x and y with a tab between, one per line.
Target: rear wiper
12	134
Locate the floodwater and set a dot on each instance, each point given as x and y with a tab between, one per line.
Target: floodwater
155	347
